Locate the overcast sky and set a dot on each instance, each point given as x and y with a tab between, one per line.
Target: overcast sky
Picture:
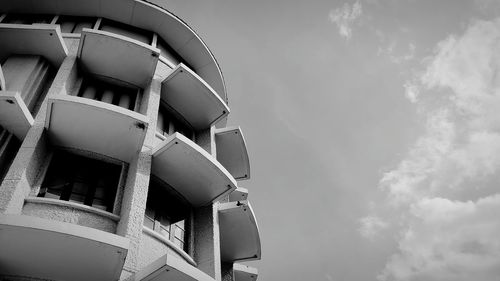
373	129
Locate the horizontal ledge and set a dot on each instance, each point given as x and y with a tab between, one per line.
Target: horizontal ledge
244	273
74	205
239	194
25	242
168	268
15	117
189	95
95	126
38	39
239	232
169	243
191	171
112	55
232	152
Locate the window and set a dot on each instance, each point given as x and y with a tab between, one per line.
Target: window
109	93
127	30
9	146
167	213
170	122
83	180
71	24
27	19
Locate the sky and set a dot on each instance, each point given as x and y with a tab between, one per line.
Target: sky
373	133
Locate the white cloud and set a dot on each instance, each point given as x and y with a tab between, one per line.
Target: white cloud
449	241
397	57
458	96
371	226
345	16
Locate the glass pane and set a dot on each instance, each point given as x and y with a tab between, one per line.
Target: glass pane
149	222
165	231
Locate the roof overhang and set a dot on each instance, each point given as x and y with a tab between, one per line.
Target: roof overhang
239	194
14	115
188	94
232	152
52	250
239	233
244	273
191	171
37	39
170	268
115	56
142	14
91	125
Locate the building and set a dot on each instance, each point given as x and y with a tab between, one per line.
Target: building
115	159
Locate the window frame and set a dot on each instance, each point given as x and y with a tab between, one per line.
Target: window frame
115	207
187	242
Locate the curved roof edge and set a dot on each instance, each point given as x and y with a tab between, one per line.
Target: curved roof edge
146	14
201	40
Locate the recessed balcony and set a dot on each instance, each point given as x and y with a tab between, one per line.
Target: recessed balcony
14	115
95	126
50	250
189	95
232	152
244	273
170	268
191	171
119	57
239	194
39	39
239	233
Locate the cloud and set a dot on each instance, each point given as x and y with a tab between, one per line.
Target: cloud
447	185
390	51
345	16
449	241
371	226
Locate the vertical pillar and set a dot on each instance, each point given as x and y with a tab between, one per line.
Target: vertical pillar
137	184
207	240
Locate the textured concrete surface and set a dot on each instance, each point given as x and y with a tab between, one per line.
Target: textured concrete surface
69	214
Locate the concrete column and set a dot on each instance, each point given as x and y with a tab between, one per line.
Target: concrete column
137	184
23	172
207	240
206	140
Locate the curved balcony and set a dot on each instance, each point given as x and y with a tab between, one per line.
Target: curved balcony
188	94
140	14
115	56
45	40
232	152
14	115
239	194
170	268
244	273
191	171
76	253
95	126
239	233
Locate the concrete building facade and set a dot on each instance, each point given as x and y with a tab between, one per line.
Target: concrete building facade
115	159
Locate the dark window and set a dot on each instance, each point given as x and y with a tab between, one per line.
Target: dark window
110	93
127	30
9	146
83	180
71	24
167	213
27	19
170	122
